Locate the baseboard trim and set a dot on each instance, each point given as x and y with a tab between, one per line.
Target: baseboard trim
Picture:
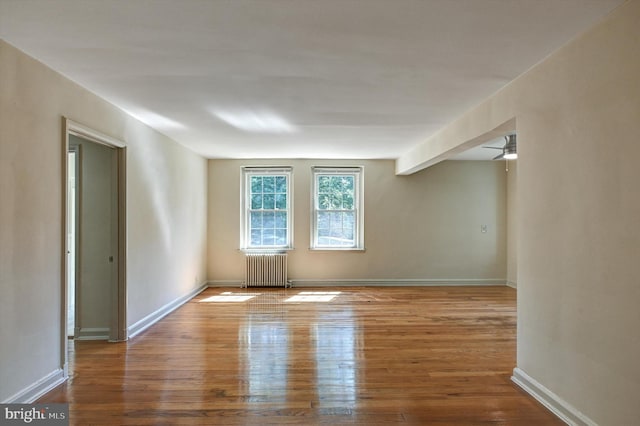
224	283
561	408
396	282
417	282
154	317
511	284
92	334
35	390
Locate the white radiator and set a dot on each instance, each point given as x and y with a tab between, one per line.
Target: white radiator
266	270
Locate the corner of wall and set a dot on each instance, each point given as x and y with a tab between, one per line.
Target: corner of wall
561	408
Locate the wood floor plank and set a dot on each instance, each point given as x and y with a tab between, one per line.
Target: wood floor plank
371	355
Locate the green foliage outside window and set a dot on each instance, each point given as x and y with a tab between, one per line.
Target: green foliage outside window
336	212
268	211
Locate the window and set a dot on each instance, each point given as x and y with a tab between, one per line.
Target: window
266	208
337	215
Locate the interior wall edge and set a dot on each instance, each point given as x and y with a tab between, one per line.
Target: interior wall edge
561	408
38	388
146	322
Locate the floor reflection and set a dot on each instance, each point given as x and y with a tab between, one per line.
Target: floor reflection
264	348
327	348
269	302
338	339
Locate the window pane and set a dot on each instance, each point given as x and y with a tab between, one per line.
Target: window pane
256	201
281	237
281	184
324	220
336	220
256	184
269	201
256	237
324	184
323	241
348	226
269	220
269	184
347	201
336	201
336	232
334	183
281	220
256	220
347	183
342	230
324	201
268	237
335	186
281	201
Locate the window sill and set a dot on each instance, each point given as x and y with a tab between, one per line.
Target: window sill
332	249
265	250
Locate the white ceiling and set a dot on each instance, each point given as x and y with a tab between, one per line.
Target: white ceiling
295	78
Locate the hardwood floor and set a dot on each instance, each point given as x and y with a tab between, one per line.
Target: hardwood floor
368	356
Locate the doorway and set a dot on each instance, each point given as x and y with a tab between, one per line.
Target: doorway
72	182
94	286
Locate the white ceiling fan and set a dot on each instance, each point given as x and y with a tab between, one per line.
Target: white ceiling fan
509	150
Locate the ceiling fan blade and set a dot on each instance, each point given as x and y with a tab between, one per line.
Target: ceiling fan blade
499	156
492	147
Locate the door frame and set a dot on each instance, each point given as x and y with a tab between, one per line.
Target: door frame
118	317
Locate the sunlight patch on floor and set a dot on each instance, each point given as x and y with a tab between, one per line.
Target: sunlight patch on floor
314	296
229	296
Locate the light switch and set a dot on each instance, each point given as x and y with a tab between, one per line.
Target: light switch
483	229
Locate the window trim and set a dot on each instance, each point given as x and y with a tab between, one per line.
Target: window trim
246	173
358	173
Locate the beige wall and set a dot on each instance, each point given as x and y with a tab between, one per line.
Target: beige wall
577	116
420	227
166	204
